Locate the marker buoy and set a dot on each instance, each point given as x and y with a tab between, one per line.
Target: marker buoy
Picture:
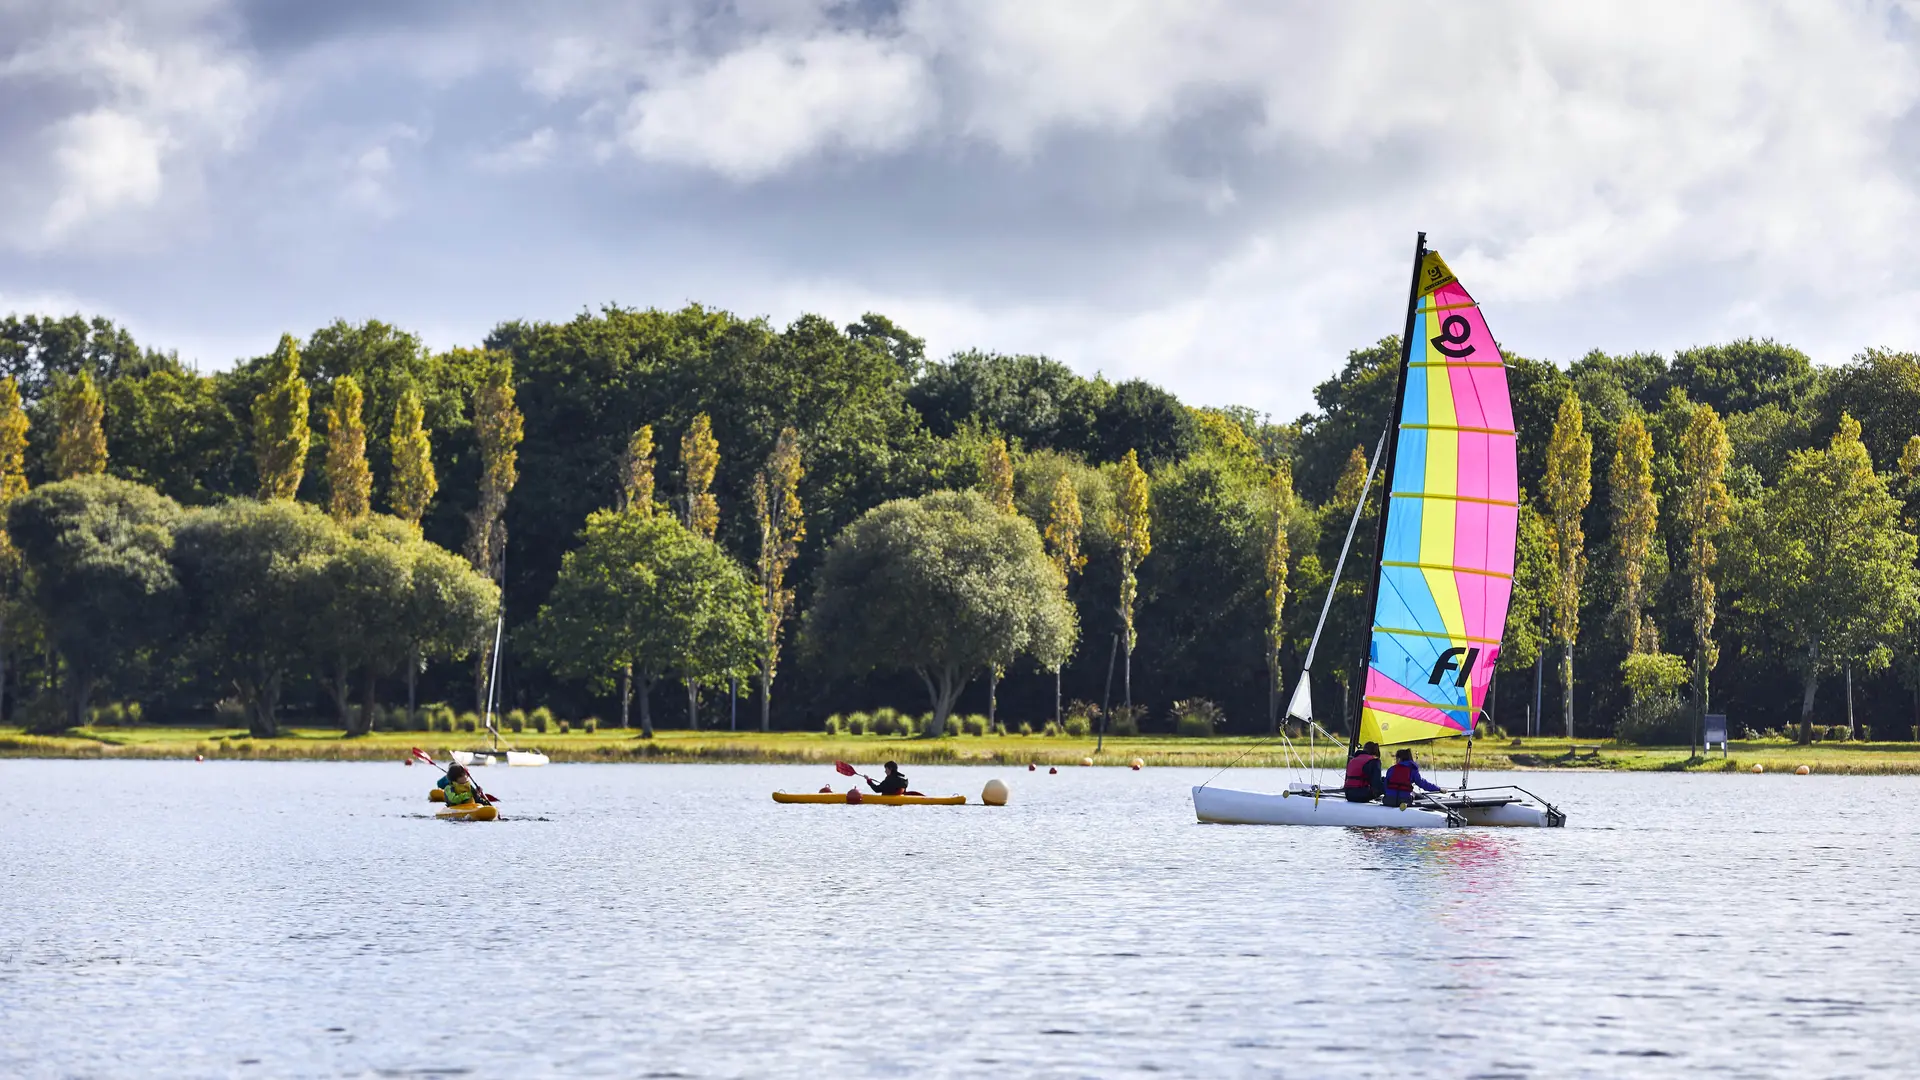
854	796
1759	768
1031	766
197	757
407	762
1086	761
1138	764
1051	770
1802	771
994	794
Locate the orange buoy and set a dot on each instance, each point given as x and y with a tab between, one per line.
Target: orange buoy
1802	771
407	761
1051	770
1138	764
854	796
1086	761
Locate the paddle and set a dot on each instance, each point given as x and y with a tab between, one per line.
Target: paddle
479	795
845	769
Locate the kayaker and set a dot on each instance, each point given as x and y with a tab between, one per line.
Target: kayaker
894	783
458	786
1402	778
1363	775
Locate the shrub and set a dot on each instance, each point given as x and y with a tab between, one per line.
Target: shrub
1050	729
1126	720
832	726
590	725
1837	733
443	717
976	725
136	712
886	721
564	727
920	726
1660	720
517	721
1025	728
1196	717
857	724
469	722
1079	726
1862	733
540	718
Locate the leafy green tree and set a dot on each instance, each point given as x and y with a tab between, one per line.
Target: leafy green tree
349	481
1636	520
252	573
1531	605
500	428
636	472
643	592
1062	537
95	552
1703	508
171	430
451	610
783	524
13	484
997	478
80	447
1744	375
280	431
942	585
1279	555
1135	530
699	461
1566	490
1823	562
414	484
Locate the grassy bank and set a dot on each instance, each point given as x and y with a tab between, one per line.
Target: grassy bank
702	746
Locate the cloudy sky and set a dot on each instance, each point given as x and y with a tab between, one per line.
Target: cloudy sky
1220	197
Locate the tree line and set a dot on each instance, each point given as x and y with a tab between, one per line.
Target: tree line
830	521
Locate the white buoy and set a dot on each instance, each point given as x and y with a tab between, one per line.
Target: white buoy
994	794
1759	768
1802	771
1086	761
1138	764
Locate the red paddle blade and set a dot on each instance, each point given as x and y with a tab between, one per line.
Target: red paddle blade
844	769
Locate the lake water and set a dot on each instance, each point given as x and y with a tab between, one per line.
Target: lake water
252	919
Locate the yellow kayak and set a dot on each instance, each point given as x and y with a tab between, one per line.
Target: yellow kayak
882	800
468	812
437	795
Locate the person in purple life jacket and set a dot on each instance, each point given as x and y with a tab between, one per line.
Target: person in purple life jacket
1402	778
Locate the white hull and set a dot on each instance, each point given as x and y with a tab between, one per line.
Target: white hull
1224	806
472	758
1299	806
526	757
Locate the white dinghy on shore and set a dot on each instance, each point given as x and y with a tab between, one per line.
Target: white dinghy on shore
494	755
1439	587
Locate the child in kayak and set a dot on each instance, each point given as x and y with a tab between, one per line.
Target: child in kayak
458	786
894	783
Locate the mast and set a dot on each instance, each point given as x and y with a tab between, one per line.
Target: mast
1386	487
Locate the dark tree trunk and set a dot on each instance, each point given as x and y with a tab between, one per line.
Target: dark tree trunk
369	701
626	695
646	708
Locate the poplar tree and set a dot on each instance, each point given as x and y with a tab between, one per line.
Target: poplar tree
13	484
1704	505
413	484
80	444
777	510
699	461
1062	535
1136	543
349	481
1636	516
498	427
280	432
636	473
410	490
997	476
1567	488
1279	552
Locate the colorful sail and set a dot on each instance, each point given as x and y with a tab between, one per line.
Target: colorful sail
1446	567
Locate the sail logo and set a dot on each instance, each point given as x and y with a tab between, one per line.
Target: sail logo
1454	332
1451	661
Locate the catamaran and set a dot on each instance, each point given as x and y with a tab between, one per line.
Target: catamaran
1442	575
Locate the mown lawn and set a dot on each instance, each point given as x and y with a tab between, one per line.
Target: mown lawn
320	744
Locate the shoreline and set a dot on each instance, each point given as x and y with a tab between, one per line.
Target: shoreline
801	748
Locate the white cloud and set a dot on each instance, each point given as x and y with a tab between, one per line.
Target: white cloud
771	104
152	102
529	152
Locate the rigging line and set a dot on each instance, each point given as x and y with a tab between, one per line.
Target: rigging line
1314	724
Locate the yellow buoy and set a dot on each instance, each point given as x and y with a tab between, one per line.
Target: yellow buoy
1138	764
1759	768
1802	771
1086	761
994	794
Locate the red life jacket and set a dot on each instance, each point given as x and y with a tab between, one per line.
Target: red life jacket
1357	772
1400	777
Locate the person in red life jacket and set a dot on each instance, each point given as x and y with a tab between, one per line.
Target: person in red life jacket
1402	778
1363	775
